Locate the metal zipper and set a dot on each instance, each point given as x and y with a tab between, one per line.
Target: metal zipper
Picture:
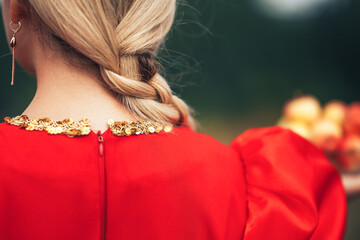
102	187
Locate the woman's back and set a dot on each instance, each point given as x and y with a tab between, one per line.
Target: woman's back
97	59
270	184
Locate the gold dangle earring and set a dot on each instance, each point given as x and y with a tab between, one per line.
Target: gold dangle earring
12	45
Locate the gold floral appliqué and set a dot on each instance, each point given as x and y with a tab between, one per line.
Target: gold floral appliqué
71	128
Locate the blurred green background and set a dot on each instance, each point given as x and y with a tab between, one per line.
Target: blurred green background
236	62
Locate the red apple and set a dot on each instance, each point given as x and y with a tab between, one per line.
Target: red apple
349	153
352	119
335	111
305	109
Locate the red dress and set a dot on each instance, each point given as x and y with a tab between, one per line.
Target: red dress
269	184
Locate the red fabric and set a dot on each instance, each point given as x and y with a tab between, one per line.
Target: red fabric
269	184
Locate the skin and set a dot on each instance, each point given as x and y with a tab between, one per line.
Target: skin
63	91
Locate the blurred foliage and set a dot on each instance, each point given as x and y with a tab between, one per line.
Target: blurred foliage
249	64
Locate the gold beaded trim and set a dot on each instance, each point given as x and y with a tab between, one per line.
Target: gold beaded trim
71	128
123	128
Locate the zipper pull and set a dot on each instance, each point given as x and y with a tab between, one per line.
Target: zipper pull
101	143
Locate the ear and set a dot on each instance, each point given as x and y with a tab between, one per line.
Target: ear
16	10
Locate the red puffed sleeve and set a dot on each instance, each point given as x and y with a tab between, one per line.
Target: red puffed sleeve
293	192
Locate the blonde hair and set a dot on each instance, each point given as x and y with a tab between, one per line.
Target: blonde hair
121	37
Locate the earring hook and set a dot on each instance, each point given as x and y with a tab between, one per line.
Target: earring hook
15	30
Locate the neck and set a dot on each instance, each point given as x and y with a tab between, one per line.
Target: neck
67	91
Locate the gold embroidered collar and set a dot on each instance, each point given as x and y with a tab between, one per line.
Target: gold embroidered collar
71	128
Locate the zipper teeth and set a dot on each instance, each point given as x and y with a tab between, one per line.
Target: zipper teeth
102	187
